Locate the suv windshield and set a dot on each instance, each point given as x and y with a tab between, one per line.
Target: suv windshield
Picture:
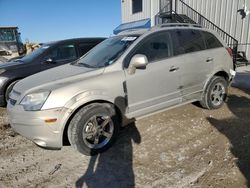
107	52
35	53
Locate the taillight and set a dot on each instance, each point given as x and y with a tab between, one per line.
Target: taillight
230	51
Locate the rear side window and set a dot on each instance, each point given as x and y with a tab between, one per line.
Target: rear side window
156	47
85	47
211	41
63	52
188	41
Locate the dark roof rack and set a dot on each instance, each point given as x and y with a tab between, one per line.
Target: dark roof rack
179	25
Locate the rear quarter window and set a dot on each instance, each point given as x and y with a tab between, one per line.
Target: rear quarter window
211	41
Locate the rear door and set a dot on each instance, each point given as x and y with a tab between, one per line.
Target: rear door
216	51
194	62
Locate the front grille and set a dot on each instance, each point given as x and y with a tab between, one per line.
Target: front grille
14	96
12	102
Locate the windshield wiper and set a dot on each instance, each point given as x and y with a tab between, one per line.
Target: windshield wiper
86	65
18	60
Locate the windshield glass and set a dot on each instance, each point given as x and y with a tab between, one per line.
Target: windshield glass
107	52
35	53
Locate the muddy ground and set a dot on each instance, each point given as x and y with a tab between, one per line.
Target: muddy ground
183	147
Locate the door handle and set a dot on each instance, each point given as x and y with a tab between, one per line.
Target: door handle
173	69
209	59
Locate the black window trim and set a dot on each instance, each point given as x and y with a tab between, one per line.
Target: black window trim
127	59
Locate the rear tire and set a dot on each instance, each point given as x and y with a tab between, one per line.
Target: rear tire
94	128
215	93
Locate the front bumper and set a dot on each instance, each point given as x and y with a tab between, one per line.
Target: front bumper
32	125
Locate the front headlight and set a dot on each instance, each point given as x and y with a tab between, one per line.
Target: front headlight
34	101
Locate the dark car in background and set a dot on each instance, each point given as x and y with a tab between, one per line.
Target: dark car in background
49	55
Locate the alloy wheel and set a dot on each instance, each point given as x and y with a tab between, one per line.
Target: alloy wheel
98	131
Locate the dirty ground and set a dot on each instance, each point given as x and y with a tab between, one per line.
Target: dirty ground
184	147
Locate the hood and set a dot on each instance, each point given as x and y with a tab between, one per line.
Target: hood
55	78
11	64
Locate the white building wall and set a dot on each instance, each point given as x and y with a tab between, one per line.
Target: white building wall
223	13
155	9
127	15
150	9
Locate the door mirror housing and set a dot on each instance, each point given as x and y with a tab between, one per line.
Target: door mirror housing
138	61
49	61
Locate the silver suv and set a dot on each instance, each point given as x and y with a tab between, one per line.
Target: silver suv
128	76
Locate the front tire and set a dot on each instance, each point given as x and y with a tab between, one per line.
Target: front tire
94	128
215	93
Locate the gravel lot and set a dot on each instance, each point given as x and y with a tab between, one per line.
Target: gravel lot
183	147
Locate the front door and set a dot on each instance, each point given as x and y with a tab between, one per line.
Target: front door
157	86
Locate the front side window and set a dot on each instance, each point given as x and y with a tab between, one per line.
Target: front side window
136	6
156	47
211	41
189	41
63	52
107	52
7	35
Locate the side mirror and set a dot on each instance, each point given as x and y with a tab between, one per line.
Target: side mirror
49	61
138	61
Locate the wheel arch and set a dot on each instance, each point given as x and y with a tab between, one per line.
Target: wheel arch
9	82
65	140
221	73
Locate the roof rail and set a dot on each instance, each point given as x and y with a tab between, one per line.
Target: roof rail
132	30
179	25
